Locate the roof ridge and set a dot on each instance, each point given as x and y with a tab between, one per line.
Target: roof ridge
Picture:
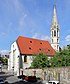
33	38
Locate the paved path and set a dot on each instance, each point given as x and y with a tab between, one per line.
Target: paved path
8	76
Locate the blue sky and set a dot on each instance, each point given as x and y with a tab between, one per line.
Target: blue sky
32	18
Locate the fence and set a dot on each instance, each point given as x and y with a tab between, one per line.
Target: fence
60	74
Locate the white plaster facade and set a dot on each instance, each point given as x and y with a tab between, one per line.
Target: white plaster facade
16	61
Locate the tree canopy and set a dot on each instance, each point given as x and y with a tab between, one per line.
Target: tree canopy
4	60
61	59
40	61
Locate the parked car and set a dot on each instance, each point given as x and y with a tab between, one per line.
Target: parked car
31	79
53	82
22	77
28	78
0	66
2	81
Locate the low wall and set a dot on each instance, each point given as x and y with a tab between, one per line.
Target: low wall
60	74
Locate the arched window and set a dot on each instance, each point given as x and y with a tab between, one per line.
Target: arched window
54	26
57	33
25	58
57	40
57	46
52	40
54	33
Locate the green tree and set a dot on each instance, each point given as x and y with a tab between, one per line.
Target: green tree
62	58
5	61
40	61
68	47
53	62
1	59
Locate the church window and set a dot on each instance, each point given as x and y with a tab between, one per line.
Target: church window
57	46
13	46
54	33
57	33
57	40
57	26
54	26
25	58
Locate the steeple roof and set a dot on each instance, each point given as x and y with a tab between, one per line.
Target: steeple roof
54	20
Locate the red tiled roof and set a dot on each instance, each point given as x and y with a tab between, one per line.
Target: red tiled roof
34	46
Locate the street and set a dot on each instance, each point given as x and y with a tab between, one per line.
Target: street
7	76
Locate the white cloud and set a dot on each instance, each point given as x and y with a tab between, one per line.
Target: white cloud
67	38
36	35
16	5
45	38
4	52
6	32
22	21
18	9
42	37
3	34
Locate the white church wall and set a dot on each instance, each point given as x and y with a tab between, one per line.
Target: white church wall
13	58
13	62
28	63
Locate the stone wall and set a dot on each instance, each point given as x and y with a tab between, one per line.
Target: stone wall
60	74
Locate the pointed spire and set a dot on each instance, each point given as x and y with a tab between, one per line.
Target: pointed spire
54	20
55	30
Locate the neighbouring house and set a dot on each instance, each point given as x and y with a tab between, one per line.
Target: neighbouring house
22	51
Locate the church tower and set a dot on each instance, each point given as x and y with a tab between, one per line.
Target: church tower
55	31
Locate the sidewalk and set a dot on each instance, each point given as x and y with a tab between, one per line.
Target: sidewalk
12	79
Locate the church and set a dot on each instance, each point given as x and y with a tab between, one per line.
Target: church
55	32
23	48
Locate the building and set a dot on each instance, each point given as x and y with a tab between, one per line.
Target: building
22	50
55	32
